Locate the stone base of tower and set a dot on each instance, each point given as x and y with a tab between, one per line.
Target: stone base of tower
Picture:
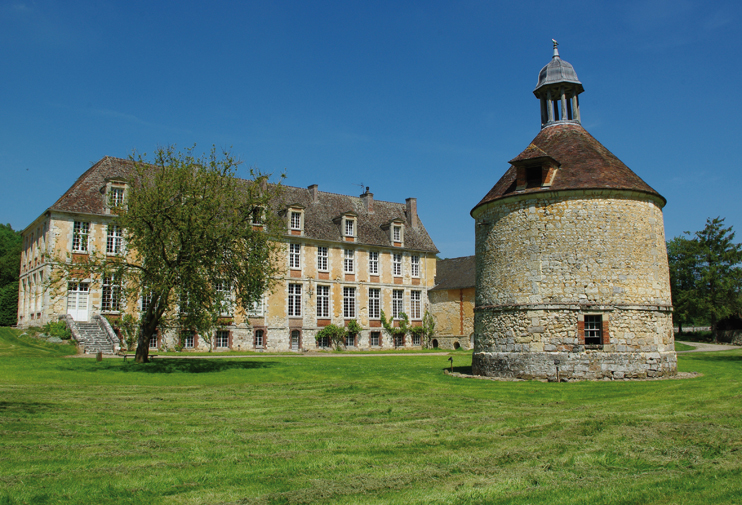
587	365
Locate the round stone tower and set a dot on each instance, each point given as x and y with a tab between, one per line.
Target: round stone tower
572	274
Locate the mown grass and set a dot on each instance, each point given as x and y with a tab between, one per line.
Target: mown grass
381	429
679	346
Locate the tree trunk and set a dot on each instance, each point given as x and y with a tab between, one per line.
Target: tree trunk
714	330
142	355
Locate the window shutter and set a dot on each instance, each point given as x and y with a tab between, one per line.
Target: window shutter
581	332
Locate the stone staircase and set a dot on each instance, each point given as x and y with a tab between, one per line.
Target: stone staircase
93	337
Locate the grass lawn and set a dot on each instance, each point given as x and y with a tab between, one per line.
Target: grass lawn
386	429
679	346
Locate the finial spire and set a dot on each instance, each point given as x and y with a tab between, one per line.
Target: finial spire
556	51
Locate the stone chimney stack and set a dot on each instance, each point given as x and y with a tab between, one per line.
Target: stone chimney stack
314	192
412	211
368	200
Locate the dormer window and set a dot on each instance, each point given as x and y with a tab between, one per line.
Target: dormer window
256	216
534	177
295	214
295	220
397	233
348	223
350	228
116	198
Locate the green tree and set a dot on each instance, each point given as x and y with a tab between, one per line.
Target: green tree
10	264
705	273
193	247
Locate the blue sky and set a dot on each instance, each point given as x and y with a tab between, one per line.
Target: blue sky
413	99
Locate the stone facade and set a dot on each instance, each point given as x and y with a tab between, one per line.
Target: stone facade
391	257
452	303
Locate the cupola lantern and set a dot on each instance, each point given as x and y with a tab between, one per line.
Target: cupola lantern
558	87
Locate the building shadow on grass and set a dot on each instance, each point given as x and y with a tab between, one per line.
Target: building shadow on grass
167	366
466	370
717	356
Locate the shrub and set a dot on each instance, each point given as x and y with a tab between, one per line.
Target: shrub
57	329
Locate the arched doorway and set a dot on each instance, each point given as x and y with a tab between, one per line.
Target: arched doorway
435	343
456	346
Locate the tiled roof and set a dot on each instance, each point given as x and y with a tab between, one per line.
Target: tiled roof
583	164
85	196
456	273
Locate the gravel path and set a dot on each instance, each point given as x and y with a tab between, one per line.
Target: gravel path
703	347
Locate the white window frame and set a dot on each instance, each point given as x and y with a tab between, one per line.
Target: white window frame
349	228
80	236
259	338
114	239
397	303
416	305
349	302
294	300
227	294
110	295
323	259
415	265
145	302
397	264
188	339
349	263
323	301
218	336
374	335
295	218
117	196
374	303
396	233
295	256
373	262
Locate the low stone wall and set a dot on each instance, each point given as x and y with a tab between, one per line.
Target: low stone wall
450	341
590	365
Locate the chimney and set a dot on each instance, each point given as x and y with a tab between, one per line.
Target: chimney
314	192
368	200
412	211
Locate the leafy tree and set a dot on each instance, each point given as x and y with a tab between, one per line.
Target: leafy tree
705	273
192	246
10	263
396	331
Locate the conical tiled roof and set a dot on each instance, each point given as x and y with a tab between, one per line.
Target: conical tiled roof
583	164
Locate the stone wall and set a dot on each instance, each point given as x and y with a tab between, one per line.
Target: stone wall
547	260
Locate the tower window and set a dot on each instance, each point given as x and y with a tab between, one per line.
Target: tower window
593	330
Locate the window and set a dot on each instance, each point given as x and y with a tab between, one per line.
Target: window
398	340
257	216
146	301
295	220
294	300
350	226
533	177
323	342
323	301
375	338
116	197
415	339
187	339
349	261
593	330
322	257
294	255
222	338
415	305
349	303
397	303
295	340
374	303
153	342
350	341
373	263
397	233
114	239
80	233
111	299
397	265
256	308
223	292
259	339
415	266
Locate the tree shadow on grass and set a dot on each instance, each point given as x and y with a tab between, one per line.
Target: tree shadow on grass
716	356
23	407
168	366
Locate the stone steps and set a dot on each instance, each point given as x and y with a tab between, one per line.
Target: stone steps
94	338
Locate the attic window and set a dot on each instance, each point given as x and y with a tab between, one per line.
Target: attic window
295	220
534	177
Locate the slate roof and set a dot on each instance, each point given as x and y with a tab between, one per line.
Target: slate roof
85	196
319	216
456	273
555	72
583	164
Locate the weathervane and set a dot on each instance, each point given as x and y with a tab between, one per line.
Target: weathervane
556	51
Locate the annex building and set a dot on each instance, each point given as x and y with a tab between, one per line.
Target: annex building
345	258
